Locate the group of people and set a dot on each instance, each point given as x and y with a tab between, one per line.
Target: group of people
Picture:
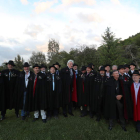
114	95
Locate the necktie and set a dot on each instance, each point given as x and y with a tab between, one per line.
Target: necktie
53	81
71	73
76	73
57	72
9	75
35	81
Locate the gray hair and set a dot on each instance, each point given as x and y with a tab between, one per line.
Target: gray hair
114	66
70	61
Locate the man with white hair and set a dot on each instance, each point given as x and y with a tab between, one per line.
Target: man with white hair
69	92
114	67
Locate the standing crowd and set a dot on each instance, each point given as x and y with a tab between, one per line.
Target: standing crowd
110	94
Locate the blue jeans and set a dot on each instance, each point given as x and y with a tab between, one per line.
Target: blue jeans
23	112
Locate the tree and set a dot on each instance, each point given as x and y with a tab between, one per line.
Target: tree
109	52
37	58
53	49
133	52
19	62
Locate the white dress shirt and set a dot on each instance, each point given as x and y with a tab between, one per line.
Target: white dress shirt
136	88
26	78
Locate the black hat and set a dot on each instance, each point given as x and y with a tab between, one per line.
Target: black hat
26	64
57	64
121	67
53	67
89	65
133	64
36	65
126	66
75	64
11	63
138	69
83	68
43	66
107	65
102	69
136	72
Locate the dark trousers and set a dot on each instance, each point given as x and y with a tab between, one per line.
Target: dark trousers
99	107
138	125
69	106
4	112
84	111
119	106
51	112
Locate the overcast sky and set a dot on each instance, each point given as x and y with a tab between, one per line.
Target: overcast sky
27	25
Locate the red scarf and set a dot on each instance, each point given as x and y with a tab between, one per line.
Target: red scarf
35	81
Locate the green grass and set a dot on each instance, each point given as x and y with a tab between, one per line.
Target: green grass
71	128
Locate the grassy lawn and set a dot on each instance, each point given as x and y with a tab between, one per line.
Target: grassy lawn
71	128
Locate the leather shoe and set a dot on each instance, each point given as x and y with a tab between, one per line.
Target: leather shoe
71	114
124	128
35	119
23	117
56	117
110	127
44	120
83	115
98	119
2	117
65	115
137	130
17	115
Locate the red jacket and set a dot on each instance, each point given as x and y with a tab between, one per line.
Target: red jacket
136	107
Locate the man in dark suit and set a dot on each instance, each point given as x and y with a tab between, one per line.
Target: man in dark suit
114	101
43	69
69	91
10	79
57	66
21	89
132	69
107	68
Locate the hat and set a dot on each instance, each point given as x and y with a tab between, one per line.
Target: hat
133	64
36	65
43	66
11	63
57	64
136	72
75	64
121	67
138	69
26	64
53	67
83	68
89	65
102	69
107	65
126	66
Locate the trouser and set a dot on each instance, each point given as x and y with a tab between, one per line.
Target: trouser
99	107
4	112
138	125
84	111
23	112
119	106
52	111
69	106
43	114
